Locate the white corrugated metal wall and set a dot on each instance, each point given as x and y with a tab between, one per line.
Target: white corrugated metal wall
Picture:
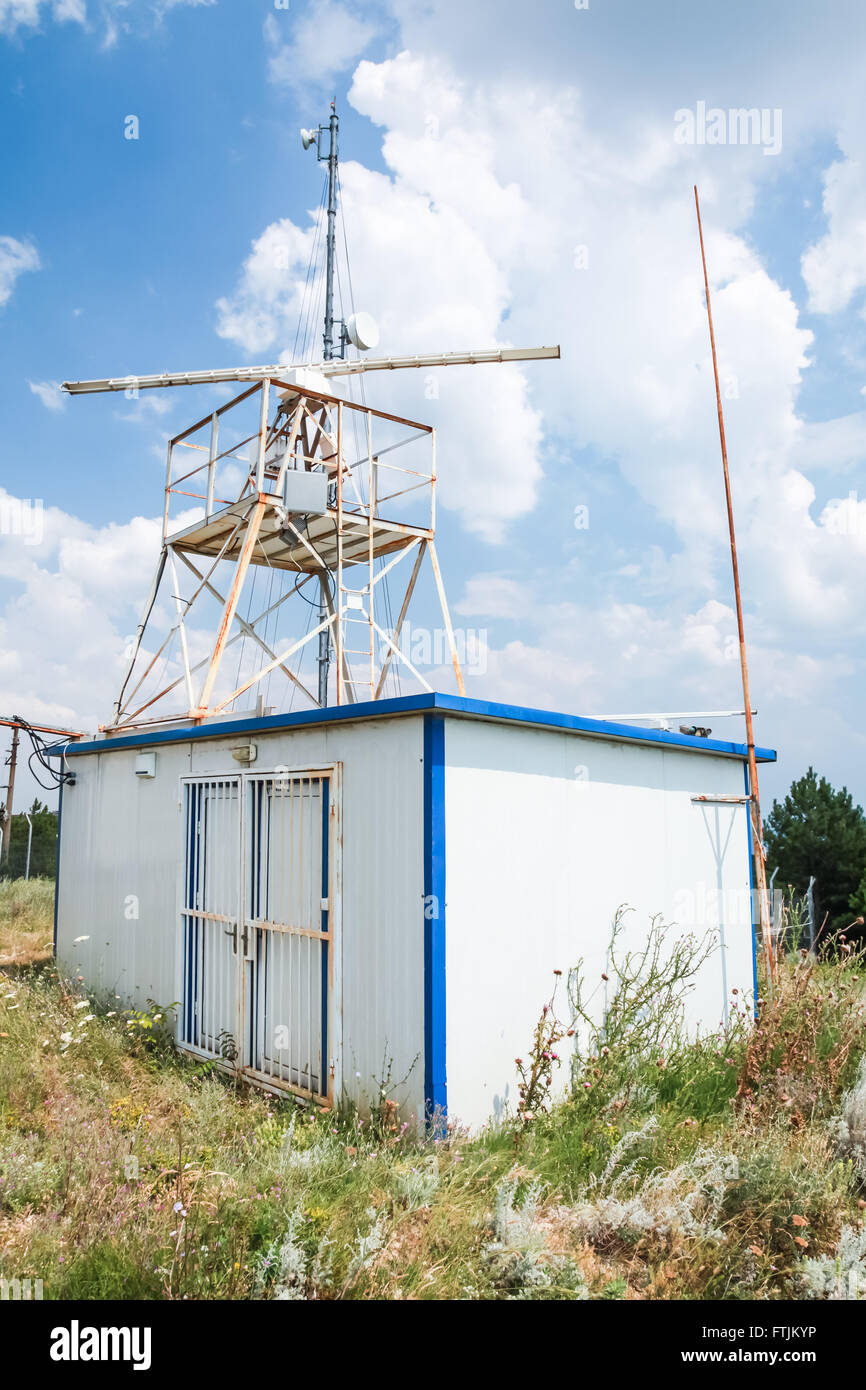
122	848
547	834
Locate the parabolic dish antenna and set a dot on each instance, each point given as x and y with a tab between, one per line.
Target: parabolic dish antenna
362	331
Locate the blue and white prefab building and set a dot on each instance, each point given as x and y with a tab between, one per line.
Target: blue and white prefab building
322	894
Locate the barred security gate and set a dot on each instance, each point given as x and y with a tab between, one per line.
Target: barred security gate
257	925
209	915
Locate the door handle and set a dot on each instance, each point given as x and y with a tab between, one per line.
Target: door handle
245	936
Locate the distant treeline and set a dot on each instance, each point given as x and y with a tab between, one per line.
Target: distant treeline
43	849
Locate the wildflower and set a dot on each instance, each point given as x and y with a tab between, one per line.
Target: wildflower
799	1221
82	1004
603	976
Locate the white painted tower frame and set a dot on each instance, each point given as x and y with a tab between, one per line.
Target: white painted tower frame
339	544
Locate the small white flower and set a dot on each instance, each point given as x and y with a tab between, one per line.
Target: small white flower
83	1004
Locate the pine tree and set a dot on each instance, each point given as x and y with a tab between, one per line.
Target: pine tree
43	849
818	831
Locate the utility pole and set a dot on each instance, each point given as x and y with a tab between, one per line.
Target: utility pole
328	345
10	793
16	725
754	799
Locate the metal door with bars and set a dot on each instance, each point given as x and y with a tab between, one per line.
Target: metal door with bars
257	925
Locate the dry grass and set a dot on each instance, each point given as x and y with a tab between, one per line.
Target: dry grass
129	1172
26	922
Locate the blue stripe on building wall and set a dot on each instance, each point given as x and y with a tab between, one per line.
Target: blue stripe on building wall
752	891
435	1085
418	704
326	965
57	866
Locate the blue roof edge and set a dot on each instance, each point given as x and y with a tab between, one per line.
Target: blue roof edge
419	704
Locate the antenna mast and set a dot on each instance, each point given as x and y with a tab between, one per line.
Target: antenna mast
328	354
334	126
754	799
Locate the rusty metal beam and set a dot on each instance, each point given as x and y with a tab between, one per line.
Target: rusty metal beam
231	604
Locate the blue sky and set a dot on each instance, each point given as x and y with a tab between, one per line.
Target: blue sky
511	174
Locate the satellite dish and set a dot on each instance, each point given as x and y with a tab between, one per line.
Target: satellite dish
362	331
308	138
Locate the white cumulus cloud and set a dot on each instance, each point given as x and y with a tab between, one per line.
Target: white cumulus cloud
15	258
307	52
49	394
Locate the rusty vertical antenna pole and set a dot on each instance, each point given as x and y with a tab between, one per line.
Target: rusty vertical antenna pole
754	798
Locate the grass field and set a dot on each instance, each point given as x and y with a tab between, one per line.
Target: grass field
729	1169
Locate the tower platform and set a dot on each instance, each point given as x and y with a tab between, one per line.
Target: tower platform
278	547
